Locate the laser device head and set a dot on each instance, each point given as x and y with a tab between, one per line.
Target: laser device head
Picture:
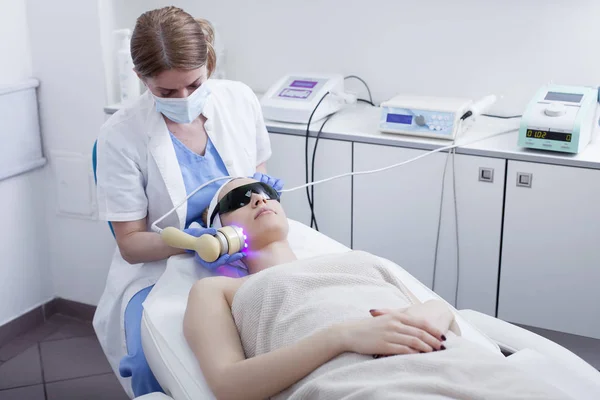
227	240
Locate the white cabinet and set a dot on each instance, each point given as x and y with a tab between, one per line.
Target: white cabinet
550	256
332	199
396	214
547	233
479	206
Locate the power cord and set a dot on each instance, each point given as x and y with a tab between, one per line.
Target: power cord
370	101
502	117
374	171
365	101
310	194
451	152
313	219
439	227
312	172
456	228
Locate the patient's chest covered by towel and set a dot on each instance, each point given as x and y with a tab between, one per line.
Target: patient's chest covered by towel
284	304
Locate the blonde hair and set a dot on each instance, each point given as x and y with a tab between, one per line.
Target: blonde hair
170	38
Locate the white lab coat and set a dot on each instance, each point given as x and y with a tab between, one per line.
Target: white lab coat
139	176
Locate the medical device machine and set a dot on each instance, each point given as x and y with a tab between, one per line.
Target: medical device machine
425	116
560	118
228	240
294	98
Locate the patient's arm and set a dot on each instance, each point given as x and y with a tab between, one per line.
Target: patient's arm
213	337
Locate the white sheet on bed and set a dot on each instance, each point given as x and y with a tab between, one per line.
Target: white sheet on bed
168	354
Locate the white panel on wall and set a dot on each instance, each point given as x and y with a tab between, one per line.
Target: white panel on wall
21	149
74	178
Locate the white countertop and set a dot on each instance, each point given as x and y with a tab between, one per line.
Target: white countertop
359	123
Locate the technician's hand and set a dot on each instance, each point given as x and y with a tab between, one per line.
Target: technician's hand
389	334
275	183
224	259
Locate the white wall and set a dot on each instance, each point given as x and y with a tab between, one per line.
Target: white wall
25	274
461	48
437	47
67	58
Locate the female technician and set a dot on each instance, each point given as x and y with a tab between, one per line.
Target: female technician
184	131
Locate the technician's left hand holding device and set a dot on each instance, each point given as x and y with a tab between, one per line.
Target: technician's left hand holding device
226	258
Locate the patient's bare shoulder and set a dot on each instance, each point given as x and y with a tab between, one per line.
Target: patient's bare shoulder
218	285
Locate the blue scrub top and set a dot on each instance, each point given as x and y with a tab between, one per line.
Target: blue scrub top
196	170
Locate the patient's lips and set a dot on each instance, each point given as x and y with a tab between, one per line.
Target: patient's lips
263	211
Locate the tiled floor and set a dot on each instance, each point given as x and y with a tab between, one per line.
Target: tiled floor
60	360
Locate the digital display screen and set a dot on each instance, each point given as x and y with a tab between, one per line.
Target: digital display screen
303	84
295	93
399	119
567	97
548	135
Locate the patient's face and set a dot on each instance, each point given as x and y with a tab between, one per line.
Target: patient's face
263	221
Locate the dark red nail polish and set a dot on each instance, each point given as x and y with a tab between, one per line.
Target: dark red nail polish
371	311
443	338
375	355
421	352
443	347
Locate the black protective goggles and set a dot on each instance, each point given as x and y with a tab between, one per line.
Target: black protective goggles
241	196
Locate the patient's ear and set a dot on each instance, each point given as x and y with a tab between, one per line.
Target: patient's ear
205	217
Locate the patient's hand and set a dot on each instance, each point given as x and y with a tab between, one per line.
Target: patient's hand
434	316
434	312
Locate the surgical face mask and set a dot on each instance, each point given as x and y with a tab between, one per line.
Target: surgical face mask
183	110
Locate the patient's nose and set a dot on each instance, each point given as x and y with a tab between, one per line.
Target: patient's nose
257	200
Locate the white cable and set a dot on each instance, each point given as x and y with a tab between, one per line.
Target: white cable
437	240
373	171
456	229
439	227
154	226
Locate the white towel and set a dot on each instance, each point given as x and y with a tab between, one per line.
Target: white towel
281	305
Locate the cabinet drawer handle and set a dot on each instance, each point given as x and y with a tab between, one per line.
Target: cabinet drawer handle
486	174
524	179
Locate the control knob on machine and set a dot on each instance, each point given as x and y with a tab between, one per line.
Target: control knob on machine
420	120
555	110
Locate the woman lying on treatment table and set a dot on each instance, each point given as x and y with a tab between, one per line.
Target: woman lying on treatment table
318	328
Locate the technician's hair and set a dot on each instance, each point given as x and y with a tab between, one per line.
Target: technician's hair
169	38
